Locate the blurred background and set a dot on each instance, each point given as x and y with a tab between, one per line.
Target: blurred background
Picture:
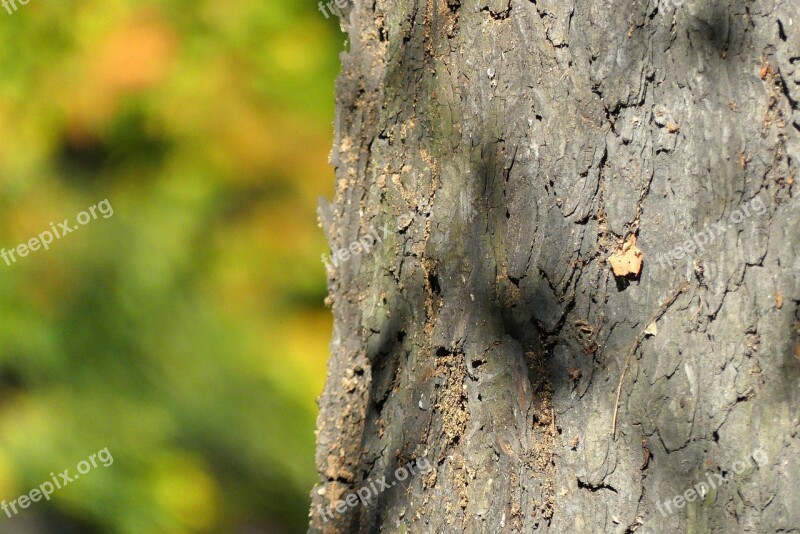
187	333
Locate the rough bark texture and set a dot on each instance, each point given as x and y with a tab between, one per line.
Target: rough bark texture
530	139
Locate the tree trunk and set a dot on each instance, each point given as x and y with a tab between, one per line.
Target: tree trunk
505	335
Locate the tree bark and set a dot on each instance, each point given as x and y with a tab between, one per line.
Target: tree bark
489	335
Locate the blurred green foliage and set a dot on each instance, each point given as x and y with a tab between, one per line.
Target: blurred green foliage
187	332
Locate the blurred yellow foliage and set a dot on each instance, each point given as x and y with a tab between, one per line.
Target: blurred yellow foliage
186	333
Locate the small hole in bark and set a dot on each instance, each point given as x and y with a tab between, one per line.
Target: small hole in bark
441	351
433	282
401	336
781	31
715	435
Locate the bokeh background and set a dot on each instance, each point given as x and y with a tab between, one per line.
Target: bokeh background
187	333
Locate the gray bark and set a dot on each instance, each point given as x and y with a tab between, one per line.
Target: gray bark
488	335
